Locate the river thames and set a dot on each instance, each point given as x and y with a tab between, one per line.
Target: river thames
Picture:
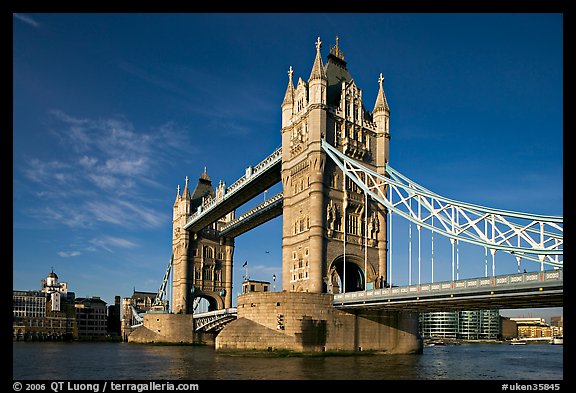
126	361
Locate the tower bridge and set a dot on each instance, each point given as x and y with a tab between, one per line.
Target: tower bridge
339	198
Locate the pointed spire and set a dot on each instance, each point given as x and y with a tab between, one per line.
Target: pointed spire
335	50
289	96
186	192
204	175
177	195
381	102
318	67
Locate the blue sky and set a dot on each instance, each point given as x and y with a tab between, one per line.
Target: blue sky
112	111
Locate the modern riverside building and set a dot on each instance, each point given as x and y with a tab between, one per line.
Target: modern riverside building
466	325
439	324
479	324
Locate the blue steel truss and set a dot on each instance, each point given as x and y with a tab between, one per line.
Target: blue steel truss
252	174
530	236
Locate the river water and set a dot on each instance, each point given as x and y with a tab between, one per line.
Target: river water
127	361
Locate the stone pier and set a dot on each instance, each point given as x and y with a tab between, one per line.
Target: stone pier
307	322
169	329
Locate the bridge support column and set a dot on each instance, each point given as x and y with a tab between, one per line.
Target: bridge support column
181	281
383	246
229	249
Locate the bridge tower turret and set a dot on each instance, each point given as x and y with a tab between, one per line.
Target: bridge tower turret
202	264
381	117
180	250
288	103
329	231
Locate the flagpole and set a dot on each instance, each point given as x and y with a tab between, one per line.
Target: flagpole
245	266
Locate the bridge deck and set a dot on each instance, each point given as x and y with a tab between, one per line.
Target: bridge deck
525	290
256	180
262	213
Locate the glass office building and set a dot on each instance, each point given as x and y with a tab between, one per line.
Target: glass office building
467	325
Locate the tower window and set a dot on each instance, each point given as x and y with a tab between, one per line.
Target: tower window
353	224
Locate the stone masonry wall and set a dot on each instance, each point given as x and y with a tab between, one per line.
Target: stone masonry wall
307	322
164	328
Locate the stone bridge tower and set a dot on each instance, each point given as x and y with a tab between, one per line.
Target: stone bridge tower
202	265
325	213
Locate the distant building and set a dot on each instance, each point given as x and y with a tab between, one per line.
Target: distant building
533	328
533	321
479	325
54	289
47	314
91	317
140	302
439	324
557	325
54	313
467	325
114	318
508	328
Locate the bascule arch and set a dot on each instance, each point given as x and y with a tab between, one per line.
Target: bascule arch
348	275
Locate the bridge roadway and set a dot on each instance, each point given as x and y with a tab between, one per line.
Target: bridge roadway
255	181
523	290
266	211
213	321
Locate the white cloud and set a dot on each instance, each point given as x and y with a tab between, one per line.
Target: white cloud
44	171
67	214
139	213
107	212
26	19
88	162
105	179
128	167
69	254
110	242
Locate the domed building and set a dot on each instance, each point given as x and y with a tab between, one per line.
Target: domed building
56	290
45	314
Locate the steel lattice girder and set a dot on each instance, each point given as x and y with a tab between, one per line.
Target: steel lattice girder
537	237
